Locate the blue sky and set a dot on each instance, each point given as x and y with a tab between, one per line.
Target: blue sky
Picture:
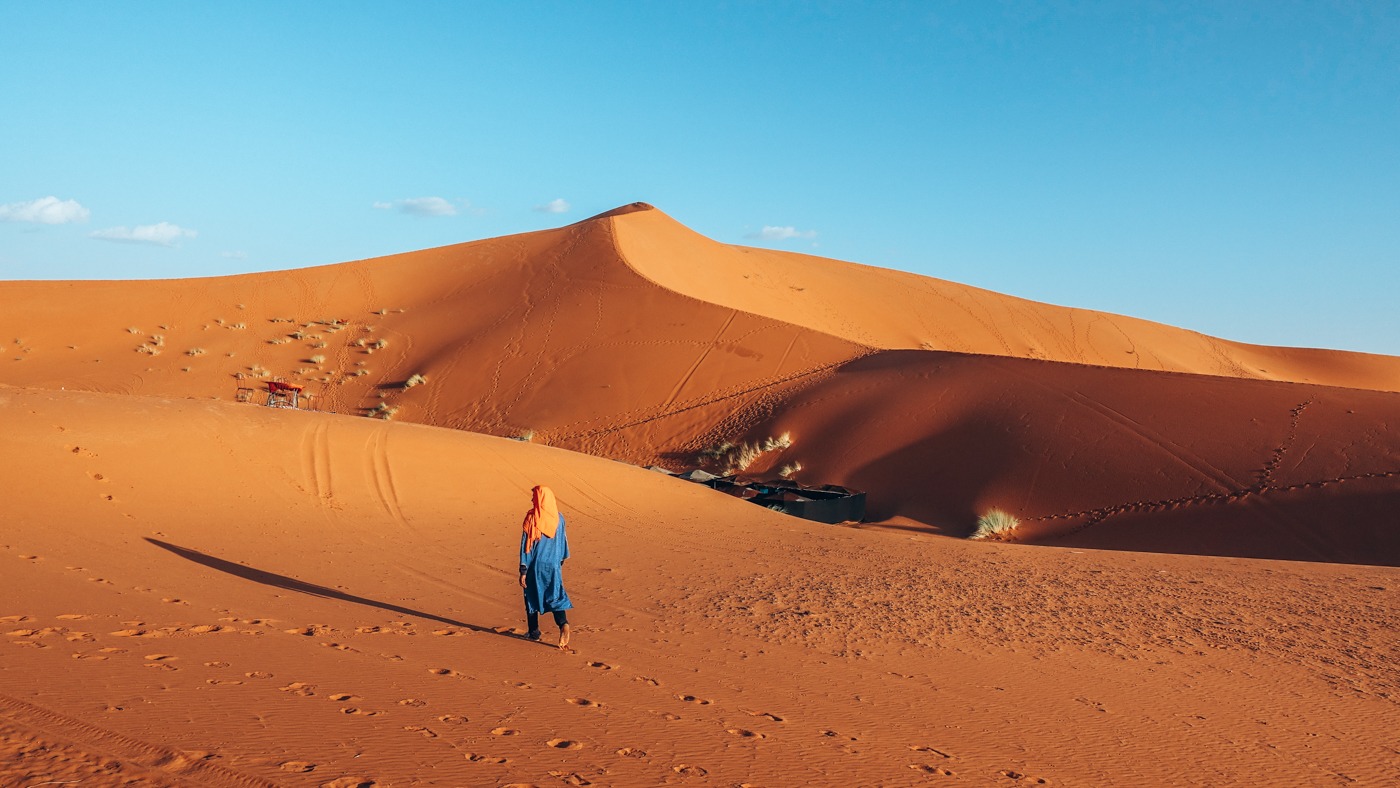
1232	167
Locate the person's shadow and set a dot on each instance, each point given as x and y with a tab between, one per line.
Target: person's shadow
303	587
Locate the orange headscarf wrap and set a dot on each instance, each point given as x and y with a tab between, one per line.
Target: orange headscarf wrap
542	519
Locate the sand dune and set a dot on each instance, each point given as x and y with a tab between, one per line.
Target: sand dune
199	590
629	336
890	310
214	594
1108	458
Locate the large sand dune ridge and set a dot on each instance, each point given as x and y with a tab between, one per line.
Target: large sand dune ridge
629	336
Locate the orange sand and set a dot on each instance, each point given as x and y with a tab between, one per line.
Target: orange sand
200	591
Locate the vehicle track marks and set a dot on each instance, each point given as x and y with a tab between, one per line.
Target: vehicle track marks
381	474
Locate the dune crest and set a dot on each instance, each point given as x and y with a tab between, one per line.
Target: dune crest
893	310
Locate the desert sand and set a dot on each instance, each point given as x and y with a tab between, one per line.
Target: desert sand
199	590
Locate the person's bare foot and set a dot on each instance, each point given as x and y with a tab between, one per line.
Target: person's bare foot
564	636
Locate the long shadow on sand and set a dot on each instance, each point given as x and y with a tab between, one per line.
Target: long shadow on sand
303	587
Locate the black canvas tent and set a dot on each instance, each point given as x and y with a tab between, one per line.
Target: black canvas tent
827	503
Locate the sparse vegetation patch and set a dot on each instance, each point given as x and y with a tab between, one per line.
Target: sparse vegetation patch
735	458
995	523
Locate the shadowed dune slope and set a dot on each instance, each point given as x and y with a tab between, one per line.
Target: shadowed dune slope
202	593
890	309
1108	458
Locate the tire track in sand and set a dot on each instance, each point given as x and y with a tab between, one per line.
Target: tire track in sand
316	462
381	474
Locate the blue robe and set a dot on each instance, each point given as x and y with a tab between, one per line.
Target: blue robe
544	583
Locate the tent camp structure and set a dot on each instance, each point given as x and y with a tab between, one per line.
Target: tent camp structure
827	503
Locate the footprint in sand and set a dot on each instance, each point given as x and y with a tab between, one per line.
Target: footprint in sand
693	699
745	733
414	702
258	674
669	717
71	617
600	665
475	758
351	782
15	619
632	752
159	657
299	688
584	702
223	682
360	712
428	733
128	633
504	731
1011	774
572	778
564	744
110	650
216	664
653	682
453	719
939	753
686	770
773	717
443	672
297	766
934	770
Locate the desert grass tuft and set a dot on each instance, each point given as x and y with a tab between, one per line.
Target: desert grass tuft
733	458
995	523
415	380
383	411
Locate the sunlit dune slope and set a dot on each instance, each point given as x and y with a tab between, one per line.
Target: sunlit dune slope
1104	457
206	593
890	309
547	334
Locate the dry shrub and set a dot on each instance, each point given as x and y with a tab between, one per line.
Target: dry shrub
995	523
733	458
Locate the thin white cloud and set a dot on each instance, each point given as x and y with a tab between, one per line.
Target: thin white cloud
420	206
161	234
45	210
772	233
234	255
559	205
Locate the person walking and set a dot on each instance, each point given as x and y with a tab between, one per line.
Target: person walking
544	546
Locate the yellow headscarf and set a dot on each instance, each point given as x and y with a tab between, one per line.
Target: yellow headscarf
542	519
